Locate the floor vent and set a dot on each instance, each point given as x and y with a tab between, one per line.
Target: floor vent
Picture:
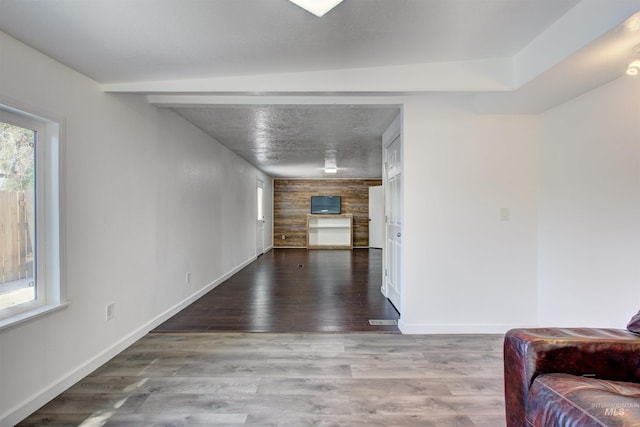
383	322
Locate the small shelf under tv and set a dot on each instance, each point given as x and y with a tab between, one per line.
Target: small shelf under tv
330	231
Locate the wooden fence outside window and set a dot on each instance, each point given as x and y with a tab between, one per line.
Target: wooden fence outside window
16	235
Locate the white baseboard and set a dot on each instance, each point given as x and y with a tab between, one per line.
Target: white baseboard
427	329
14	416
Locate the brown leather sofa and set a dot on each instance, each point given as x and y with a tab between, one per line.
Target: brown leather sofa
572	377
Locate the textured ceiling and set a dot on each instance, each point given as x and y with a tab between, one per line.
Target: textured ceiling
294	140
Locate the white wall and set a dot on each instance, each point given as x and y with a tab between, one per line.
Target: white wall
570	255
465	270
590	208
148	198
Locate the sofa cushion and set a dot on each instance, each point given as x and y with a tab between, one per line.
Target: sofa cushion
569	400
528	353
634	324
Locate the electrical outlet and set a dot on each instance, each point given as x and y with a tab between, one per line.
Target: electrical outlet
187	278
110	310
283	237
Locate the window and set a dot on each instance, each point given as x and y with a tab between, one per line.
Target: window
29	217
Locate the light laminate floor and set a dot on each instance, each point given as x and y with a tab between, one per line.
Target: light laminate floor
233	379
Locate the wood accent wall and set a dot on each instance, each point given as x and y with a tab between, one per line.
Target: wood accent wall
292	203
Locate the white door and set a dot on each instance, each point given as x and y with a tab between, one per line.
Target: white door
376	217
393	221
260	219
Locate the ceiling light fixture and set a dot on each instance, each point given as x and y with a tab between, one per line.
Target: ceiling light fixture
317	7
634	68
330	164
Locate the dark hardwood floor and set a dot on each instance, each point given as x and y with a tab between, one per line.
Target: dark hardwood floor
295	290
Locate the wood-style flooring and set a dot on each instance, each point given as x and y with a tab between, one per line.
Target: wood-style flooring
295	290
290	380
175	377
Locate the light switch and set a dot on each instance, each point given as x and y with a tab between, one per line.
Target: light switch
505	214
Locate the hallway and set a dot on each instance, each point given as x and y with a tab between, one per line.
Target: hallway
295	290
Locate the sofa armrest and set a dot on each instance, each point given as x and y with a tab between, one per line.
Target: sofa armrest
611	354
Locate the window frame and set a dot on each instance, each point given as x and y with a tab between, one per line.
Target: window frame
50	295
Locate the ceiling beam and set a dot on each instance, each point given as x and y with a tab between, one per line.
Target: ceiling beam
480	75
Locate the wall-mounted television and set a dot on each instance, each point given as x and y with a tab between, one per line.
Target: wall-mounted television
322	205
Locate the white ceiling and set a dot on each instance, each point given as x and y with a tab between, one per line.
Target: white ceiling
137	40
218	49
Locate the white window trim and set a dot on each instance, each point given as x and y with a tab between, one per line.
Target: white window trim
49	233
